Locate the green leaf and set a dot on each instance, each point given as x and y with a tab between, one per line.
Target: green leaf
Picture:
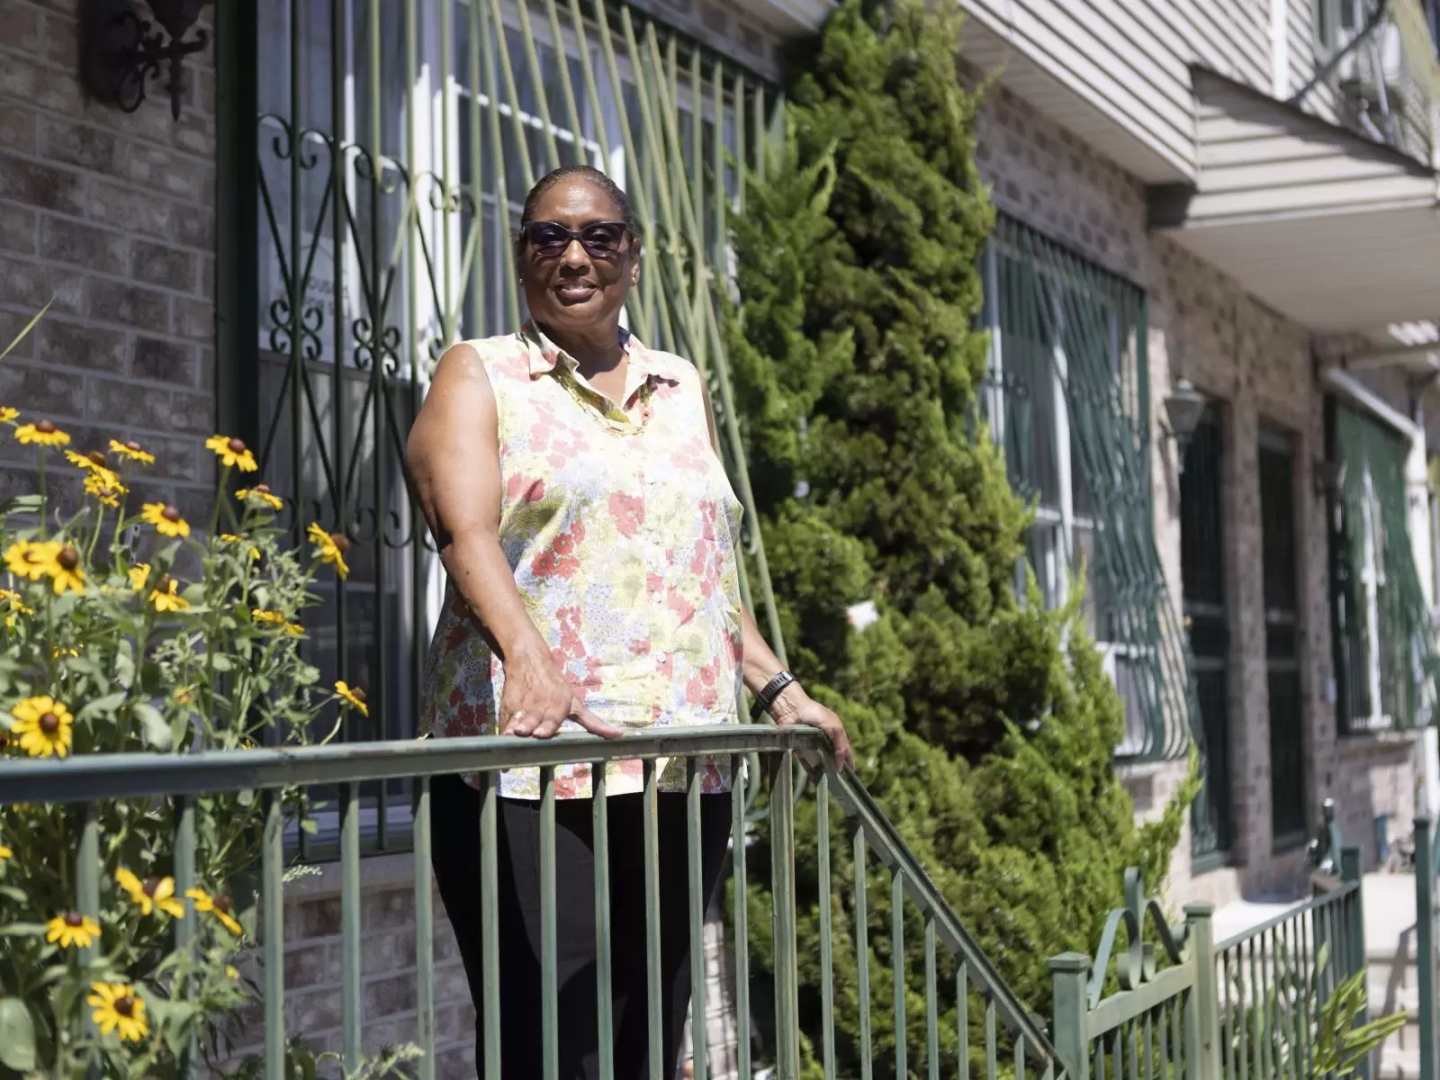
221	662
22	929
27	328
17	1036
157	732
125	664
101	706
245	797
21	504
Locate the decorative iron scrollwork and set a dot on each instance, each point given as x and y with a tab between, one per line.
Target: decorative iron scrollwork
1137	965
121	52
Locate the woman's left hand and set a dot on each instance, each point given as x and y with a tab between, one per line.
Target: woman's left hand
794	706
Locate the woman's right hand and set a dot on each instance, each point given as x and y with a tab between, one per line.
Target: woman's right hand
538	698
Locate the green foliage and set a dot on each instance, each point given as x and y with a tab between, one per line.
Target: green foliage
983	724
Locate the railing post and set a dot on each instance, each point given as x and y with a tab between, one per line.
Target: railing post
1425	942
1203	1056
1069	976
1350	872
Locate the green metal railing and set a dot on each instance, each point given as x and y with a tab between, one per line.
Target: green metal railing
1427	940
168	784
1070	404
389	147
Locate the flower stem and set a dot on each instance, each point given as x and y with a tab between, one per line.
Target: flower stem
219	498
44	499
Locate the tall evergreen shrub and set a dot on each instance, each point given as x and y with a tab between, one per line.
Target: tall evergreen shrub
983	723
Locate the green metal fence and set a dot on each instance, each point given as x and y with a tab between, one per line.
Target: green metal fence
382	152
1427	940
169	784
1070	404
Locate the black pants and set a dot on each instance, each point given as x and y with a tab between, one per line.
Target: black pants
455	813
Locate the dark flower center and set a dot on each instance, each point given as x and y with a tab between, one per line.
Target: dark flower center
261	489
170	514
49	723
164	583
357	693
97	457
237	446
74	918
133	445
68	558
45	427
222	904
149	885
341	542
125	1006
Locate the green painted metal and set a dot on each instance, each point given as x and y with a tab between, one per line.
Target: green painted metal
87	873
824	899
652	921
1068	405
932	1005
1069	974
272	938
549	943
1354	906
962	1018
1425	942
740	919
185	880
424	934
862	953
351	1003
490	926
782	885
696	915
604	973
897	967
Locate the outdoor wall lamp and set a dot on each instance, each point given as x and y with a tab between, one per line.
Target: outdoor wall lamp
1184	406
1329	478
120	51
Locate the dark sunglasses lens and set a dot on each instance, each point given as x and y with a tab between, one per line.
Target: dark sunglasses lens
547	238
604	236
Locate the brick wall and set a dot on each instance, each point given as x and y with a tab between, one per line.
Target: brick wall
1257	365
112	215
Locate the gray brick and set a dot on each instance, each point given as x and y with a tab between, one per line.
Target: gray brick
196	229
387	952
313	1012
194	319
311	965
390	995
24	78
163	170
313	919
11	323
117	301
142	212
86	246
158	264
17	230
62	41
389	908
28	286
19	26
75	143
41	392
41	185
18	128
164	361
148	408
71	344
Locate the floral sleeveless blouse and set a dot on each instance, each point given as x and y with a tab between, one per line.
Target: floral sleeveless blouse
622	531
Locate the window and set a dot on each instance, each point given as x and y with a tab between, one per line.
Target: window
1066	400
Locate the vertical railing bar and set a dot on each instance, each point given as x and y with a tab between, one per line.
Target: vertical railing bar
717	152
932	1005
1257	1034
424	933
185	930
1165	1014
477	178
1133	1035
549	943
522	147
272	900
1267	1019
862	955
1148	1034
700	1056
537	82
782	853
1425	944
992	1061
962	1018
739	781
1020	1057
741	165
339	16
605	1006
652	920
1183	1054
825	901
350	1004
497	151
567	90
87	888
897	965
297	284
490	924
1307	952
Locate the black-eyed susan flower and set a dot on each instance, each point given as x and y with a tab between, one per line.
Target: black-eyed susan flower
330	548
259	497
7	414
32	559
166	519
232	972
354	695
294	629
138	574
232	452
166	595
150	894
118	1008
272	618
15	607
217	905
106	488
43	726
66	572
231	538
72	928
95	461
132	451
5	853
43	433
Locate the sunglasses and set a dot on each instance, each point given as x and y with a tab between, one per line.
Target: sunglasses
600	239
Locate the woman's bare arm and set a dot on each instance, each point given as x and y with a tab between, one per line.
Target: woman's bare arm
454	459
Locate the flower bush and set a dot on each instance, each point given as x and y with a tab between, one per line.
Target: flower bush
136	632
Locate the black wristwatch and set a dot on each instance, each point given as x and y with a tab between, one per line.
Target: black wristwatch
769	692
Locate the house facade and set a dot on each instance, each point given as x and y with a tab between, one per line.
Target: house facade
1228	204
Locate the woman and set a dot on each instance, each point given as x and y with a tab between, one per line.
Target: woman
570	478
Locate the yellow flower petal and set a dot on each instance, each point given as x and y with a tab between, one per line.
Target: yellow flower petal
132	451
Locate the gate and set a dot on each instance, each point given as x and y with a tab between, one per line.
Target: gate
375	156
